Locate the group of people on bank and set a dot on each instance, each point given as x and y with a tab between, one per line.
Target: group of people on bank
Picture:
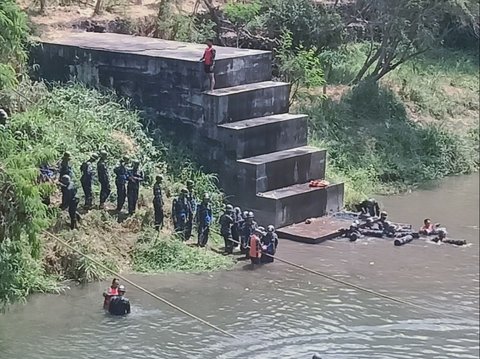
372	222
127	181
238	228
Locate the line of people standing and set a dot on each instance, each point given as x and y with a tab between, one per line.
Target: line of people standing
127	181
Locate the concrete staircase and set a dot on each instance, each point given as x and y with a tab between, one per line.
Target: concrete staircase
242	129
268	165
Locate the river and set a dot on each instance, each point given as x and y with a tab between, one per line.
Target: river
280	312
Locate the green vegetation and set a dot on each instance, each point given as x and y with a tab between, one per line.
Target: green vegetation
374	145
164	254
81	121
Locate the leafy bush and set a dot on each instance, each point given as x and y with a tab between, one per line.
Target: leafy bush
13	41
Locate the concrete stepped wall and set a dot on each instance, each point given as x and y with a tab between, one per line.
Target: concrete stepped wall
242	128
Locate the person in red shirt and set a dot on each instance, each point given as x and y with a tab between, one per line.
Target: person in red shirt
111	292
208	60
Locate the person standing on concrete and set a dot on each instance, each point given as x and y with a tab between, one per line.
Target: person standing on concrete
88	173
193	206
69	200
135	176
208	60
204	218
158	202
121	174
103	178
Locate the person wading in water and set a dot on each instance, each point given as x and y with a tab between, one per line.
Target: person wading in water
111	291
119	305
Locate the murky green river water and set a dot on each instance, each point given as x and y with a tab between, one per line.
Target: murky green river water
280	312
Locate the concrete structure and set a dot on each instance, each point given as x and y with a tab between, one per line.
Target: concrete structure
243	127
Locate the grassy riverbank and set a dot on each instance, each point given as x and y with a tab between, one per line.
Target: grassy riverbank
419	124
76	119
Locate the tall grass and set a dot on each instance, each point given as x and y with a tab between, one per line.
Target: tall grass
166	254
442	84
374	145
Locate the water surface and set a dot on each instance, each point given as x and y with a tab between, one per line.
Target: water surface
281	312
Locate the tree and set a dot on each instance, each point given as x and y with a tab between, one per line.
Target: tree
299	66
403	29
240	14
310	23
13	40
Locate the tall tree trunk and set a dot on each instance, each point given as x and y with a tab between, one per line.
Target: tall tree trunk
43	6
98	7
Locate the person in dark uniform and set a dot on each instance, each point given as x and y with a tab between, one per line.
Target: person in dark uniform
135	177
269	244
193	205
227	222
119	305
203	218
237	225
370	207
158	202
103	178
88	173
69	200
248	228
64	168
181	212
121	174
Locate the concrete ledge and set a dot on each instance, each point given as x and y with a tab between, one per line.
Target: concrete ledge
246	102
263	135
281	169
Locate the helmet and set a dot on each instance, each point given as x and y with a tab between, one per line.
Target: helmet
125	158
371	200
184	190
135	162
103	154
354	225
67	154
250	215
229	208
383	214
65	179
190	183
206	196
94	156
245	214
260	230
237	210
271	228
369	220
121	288
159	178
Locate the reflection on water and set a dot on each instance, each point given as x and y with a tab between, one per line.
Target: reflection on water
279	312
